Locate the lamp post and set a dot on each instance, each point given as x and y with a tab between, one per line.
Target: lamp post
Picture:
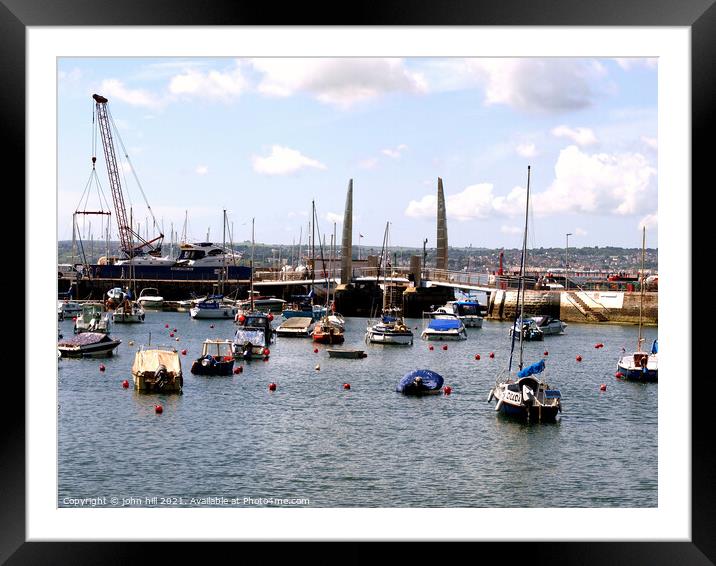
566	263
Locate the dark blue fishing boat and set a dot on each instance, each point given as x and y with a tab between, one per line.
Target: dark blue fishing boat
217	358
420	382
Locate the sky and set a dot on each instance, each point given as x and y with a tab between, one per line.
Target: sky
264	137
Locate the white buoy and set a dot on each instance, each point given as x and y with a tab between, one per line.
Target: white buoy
491	395
499	405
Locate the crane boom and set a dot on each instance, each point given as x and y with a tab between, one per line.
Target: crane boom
127	234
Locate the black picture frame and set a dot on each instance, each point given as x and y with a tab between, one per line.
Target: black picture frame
698	15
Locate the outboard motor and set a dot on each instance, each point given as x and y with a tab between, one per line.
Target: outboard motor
161	376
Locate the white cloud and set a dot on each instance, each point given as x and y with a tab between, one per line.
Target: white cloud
201	170
213	84
628	63
538	85
616	184
338	81
580	232
580	136
426	207
651	142
334	217
649	221
369	163
284	161
599	183
115	89
394	153
70	76
526	149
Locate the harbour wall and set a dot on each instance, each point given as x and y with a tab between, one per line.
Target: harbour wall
577	306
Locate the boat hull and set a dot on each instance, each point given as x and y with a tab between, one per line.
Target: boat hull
217	368
532	414
151	303
472	321
215	314
328	338
638	374
104	349
396	338
435	335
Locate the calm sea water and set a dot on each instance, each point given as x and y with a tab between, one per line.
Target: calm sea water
368	446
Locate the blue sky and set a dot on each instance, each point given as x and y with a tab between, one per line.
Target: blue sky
263	137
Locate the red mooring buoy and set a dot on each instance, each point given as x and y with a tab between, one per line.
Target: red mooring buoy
267	352
546	353
603	387
579	358
183	352
158	409
619	375
431	348
444	346
315	350
101	367
171	334
346	386
477	356
492	354
125	384
272	387
166	326
237	369
447	390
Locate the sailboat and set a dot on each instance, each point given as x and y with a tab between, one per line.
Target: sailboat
128	310
325	331
640	365
525	394
255	333
391	328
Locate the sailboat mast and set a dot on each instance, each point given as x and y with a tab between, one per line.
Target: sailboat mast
251	291
223	270
313	239
522	269
641	285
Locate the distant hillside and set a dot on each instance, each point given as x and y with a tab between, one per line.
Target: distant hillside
475	259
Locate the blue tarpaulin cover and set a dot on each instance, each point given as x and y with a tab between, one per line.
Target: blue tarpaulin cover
444	323
431	381
531	370
655	347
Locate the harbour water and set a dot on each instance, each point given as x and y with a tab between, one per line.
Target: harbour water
314	444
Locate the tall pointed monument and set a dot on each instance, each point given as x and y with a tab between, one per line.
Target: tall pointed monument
442	241
347	241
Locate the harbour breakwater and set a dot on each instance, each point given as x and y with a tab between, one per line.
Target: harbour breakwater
577	306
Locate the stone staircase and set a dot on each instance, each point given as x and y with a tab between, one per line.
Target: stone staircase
585	309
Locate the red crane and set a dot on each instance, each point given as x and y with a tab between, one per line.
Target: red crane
127	235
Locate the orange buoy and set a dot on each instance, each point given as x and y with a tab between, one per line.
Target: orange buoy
477	356
242	318
183	352
346	386
272	386
492	354
447	390
125	384
158	409
603	387
101	367
579	358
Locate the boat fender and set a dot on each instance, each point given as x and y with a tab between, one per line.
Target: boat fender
499	405
491	395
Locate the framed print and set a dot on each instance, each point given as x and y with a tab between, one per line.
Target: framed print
560	140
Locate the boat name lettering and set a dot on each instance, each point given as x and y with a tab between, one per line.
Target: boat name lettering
513	396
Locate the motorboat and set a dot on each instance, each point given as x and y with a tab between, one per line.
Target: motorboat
128	312
206	254
213	307
68	309
92	318
253	336
468	311
302	306
390	329
337	320
444	327
150	298
296	326
640	365
217	358
263	304
326	333
530	330
87	344
348	354
157	370
420	382
549	325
